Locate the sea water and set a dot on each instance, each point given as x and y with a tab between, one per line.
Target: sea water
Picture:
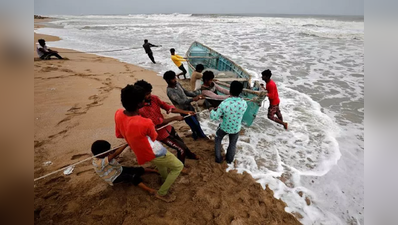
316	167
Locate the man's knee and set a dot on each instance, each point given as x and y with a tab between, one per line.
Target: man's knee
178	166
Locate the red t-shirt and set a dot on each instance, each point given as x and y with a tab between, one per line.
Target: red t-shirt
135	129
152	111
272	93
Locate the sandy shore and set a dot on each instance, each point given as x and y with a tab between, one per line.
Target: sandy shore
75	101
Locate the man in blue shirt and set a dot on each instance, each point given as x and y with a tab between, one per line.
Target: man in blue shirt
231	111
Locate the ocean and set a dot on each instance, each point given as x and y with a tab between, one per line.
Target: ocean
317	166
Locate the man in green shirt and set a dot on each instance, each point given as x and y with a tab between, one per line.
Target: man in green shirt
231	111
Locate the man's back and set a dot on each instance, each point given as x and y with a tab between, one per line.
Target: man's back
147	46
40	53
195	80
135	129
231	110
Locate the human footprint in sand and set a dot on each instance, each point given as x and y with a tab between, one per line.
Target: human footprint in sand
136	130
273	97
112	172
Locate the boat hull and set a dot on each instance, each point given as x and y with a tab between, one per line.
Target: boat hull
222	66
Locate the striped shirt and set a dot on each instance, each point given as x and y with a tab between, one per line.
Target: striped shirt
108	171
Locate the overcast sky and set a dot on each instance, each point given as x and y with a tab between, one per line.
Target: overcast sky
81	7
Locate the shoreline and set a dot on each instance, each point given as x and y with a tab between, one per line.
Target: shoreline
75	101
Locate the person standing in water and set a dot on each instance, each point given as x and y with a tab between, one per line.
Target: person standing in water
147	46
273	97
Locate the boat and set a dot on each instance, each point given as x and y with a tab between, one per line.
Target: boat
226	71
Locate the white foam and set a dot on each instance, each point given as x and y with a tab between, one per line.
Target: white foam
320	82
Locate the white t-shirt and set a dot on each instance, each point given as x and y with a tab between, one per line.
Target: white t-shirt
39	52
198	84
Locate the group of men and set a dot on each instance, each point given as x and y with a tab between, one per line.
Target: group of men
141	123
142	119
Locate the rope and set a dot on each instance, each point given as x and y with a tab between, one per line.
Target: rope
39	178
246	99
114	50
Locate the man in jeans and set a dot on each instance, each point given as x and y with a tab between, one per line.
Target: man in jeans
179	97
136	130
231	111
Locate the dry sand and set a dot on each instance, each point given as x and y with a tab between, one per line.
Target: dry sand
75	102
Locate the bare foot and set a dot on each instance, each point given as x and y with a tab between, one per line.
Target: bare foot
285	126
185	170
166	198
152	191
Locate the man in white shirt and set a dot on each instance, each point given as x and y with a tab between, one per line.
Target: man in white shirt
44	52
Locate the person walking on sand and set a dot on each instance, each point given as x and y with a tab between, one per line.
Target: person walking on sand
179	97
231	111
147	46
45	53
273	97
178	62
139	132
166	135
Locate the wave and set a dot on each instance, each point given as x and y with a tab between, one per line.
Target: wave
335	35
310	25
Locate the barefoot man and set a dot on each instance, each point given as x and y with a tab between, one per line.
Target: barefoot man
273	97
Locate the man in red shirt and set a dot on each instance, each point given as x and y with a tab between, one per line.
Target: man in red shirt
166	135
273	97
136	130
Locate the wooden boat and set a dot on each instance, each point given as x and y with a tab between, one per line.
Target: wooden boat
226	71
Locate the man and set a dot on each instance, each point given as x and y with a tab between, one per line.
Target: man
147	46
231	111
210	90
178	62
136	130
196	77
178	96
166	135
44	52
273	97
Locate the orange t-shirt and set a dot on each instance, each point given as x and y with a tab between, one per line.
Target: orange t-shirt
135	129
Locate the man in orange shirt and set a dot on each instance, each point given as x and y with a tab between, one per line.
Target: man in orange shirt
178	61
136	130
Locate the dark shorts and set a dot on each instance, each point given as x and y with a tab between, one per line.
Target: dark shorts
130	175
273	109
182	68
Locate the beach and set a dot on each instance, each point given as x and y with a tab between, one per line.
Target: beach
74	105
